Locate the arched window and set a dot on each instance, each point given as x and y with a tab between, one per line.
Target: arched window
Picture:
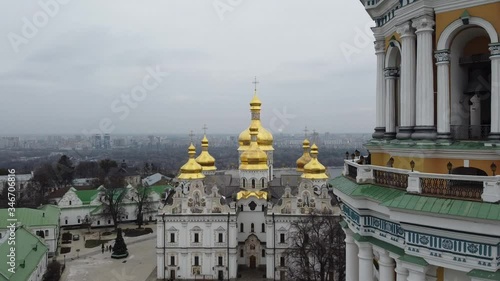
263	227
253	183
252	228
262	182
244	182
241	227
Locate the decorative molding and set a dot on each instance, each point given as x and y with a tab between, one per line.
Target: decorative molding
379	46
453	28
442	56
423	23
494	49
405	29
391	72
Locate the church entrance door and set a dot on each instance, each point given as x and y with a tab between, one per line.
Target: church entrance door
253	262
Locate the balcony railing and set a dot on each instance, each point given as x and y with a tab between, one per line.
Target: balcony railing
465	187
391	178
470	132
448	186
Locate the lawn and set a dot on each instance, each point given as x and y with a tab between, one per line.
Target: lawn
137	232
65	250
94	243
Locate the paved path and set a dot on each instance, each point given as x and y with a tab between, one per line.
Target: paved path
95	266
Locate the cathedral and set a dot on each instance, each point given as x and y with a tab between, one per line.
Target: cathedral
427	205
218	222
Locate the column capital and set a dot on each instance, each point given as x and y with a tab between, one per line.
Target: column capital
494	50
405	30
391	72
442	56
424	23
379	46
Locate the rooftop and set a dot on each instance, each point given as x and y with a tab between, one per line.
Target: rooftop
30	250
43	216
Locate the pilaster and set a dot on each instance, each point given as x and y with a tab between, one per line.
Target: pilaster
391	75
425	128
443	93
380	92
408	83
495	91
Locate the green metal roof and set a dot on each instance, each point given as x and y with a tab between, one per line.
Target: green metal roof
87	195
43	216
160	188
399	199
370	191
30	250
486	275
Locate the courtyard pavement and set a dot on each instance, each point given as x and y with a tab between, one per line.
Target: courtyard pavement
90	264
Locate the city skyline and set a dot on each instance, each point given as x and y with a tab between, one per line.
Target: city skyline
196	62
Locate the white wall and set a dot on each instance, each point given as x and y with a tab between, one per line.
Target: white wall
453	275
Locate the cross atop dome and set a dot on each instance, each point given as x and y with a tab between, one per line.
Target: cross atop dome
255	82
205	129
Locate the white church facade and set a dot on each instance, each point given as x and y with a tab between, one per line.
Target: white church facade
216	224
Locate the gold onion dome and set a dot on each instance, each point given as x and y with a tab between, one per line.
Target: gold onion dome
206	160
253	158
264	137
191	170
305	158
314	170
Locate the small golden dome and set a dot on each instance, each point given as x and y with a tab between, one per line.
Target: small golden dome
206	160
305	158
264	137
191	170
314	170
253	158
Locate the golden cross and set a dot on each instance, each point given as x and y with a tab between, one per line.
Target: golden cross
255	82
205	129
305	131
191	135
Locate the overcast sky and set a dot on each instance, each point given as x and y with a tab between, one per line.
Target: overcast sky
67	68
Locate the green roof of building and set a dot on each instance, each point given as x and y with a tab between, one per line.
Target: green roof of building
30	250
86	196
45	215
486	275
160	188
400	199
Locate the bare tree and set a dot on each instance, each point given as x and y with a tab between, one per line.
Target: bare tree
317	249
144	199
88	221
112	197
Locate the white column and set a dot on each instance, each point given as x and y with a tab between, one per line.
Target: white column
386	267
408	83
416	276
425	128
443	93
365	256
495	91
401	272
351	257
380	92
391	75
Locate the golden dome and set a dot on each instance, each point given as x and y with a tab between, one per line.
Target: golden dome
247	194
206	160
191	170
253	158
305	158
314	170
264	137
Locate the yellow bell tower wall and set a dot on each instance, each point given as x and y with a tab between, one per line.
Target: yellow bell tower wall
488	12
430	165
